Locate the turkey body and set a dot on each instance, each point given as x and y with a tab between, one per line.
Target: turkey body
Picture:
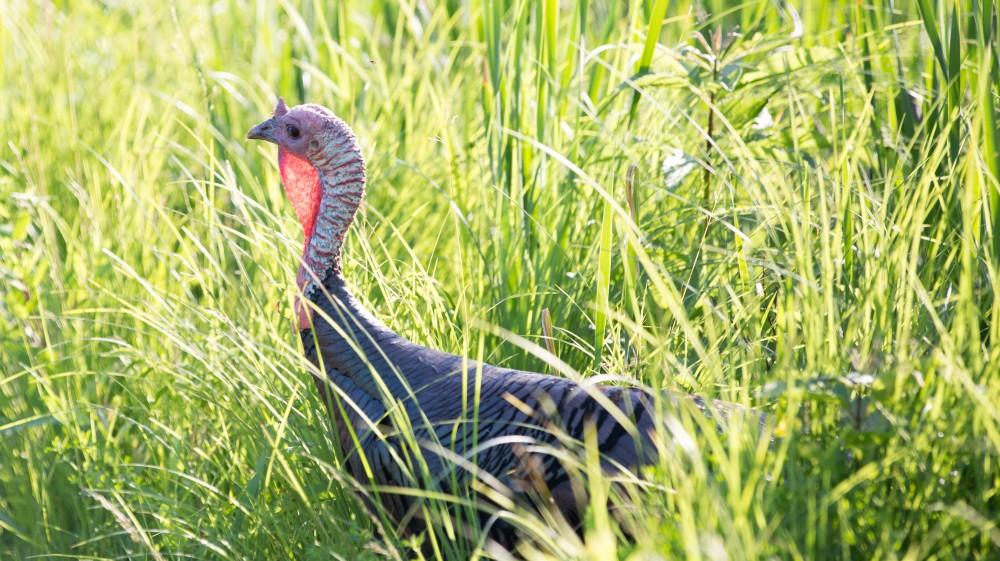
412	418
503	421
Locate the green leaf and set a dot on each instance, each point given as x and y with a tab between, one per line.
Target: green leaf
20	229
21	424
927	15
603	282
652	37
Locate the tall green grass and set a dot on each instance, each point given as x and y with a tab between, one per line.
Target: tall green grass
789	205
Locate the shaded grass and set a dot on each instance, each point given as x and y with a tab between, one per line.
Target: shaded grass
832	261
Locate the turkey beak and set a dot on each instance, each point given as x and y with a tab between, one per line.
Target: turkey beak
263	131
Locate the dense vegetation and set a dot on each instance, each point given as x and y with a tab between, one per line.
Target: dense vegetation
790	205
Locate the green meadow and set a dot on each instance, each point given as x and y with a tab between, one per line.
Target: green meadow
790	205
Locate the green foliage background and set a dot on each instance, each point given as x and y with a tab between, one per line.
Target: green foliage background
792	205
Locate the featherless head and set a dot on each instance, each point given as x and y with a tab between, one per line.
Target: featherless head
306	131
324	175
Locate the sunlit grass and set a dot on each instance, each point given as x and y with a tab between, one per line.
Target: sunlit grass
792	206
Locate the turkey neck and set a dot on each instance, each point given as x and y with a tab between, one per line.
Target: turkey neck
359	353
340	170
344	338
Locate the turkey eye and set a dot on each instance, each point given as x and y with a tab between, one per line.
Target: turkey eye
293	131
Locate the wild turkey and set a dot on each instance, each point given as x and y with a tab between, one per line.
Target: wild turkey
499	420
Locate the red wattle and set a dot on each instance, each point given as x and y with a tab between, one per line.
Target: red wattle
301	182
303	314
